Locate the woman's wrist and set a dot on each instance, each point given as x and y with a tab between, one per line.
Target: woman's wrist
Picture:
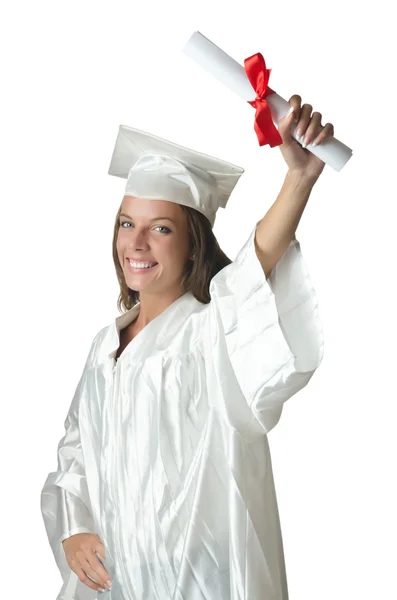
300	179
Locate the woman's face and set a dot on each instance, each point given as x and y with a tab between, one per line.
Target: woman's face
152	231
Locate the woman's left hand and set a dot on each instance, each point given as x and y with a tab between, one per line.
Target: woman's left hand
299	160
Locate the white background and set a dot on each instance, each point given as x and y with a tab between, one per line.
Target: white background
72	72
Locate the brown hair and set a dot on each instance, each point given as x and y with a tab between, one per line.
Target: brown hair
209	260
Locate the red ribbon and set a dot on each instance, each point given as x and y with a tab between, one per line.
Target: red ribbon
265	129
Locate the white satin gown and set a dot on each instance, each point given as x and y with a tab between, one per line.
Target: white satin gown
165	454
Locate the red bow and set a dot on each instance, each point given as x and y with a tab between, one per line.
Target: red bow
267	133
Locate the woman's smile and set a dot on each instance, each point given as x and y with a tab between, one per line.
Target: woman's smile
141	270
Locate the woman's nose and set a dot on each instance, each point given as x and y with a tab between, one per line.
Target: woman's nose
139	240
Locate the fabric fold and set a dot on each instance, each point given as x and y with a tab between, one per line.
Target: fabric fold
271	329
65	501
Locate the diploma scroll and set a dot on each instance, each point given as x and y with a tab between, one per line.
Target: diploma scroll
229	72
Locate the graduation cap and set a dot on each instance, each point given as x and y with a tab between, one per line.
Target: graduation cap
157	169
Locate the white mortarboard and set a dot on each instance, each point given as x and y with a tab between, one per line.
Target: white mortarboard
157	169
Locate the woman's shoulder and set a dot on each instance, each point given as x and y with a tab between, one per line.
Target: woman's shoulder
97	342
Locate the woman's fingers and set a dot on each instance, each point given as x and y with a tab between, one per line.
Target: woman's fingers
92	566
284	125
313	129
81	574
326	132
100	573
304	119
295	101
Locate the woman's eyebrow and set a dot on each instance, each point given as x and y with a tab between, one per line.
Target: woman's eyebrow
155	218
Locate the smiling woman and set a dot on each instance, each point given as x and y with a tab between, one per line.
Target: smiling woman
165	468
187	252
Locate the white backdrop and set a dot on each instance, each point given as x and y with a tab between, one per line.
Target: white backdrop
71	73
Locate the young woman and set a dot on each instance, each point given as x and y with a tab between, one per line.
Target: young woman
164	487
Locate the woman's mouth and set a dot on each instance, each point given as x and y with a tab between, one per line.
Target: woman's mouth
141	268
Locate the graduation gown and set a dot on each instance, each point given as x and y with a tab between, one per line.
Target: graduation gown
166	455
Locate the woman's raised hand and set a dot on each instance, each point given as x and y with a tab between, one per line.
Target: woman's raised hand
309	126
80	555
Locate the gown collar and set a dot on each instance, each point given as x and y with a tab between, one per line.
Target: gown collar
155	336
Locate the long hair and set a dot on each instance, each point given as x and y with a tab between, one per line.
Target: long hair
209	260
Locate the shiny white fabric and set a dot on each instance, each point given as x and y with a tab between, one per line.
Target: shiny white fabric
159	169
157	177
166	454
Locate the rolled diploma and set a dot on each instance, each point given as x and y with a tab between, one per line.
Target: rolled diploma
233	75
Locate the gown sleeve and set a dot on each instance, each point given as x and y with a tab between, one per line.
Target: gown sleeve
65	502
265	334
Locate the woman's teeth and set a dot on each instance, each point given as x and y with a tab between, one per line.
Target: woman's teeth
141	265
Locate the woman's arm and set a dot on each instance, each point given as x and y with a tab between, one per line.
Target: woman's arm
277	228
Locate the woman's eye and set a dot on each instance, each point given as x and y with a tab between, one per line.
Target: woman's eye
166	230
163	227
